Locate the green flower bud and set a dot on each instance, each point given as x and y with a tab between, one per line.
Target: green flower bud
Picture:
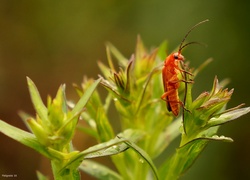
39	131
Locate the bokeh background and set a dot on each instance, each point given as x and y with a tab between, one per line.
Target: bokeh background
55	42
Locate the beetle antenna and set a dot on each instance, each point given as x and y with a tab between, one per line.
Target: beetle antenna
194	42
181	47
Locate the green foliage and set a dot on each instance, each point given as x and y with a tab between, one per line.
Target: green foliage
99	171
40	176
146	126
136	88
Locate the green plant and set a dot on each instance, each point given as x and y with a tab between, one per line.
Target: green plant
146	128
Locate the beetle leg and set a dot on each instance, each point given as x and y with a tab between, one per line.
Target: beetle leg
163	97
179	102
165	94
191	81
187	72
180	80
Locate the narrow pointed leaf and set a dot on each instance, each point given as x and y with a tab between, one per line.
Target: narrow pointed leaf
128	72
227	117
39	132
185	156
217	138
104	69
140	49
89	131
144	155
141	97
202	66
112	147
23	137
99	171
103	126
37	100
181	161
40	176
162	50
121	59
84	99
24	116
111	65
168	135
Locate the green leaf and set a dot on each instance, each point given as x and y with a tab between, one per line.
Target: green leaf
84	99
140	50
112	147
217	138
104	69
227	117
24	116
111	65
162	50
23	137
99	171
149	78
37	100
181	161
103	126
88	131
40	176
168	135
121	59
39	132
185	156
144	155
108	148
202	66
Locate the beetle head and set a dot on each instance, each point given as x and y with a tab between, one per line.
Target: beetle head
178	56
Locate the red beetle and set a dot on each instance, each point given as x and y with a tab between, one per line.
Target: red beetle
170	72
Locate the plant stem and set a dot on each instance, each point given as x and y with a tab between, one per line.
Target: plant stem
68	175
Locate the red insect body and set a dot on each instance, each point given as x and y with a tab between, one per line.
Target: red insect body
170	72
171	82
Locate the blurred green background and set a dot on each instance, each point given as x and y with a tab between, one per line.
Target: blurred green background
55	42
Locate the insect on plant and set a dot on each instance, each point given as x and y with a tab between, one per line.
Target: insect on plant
170	71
